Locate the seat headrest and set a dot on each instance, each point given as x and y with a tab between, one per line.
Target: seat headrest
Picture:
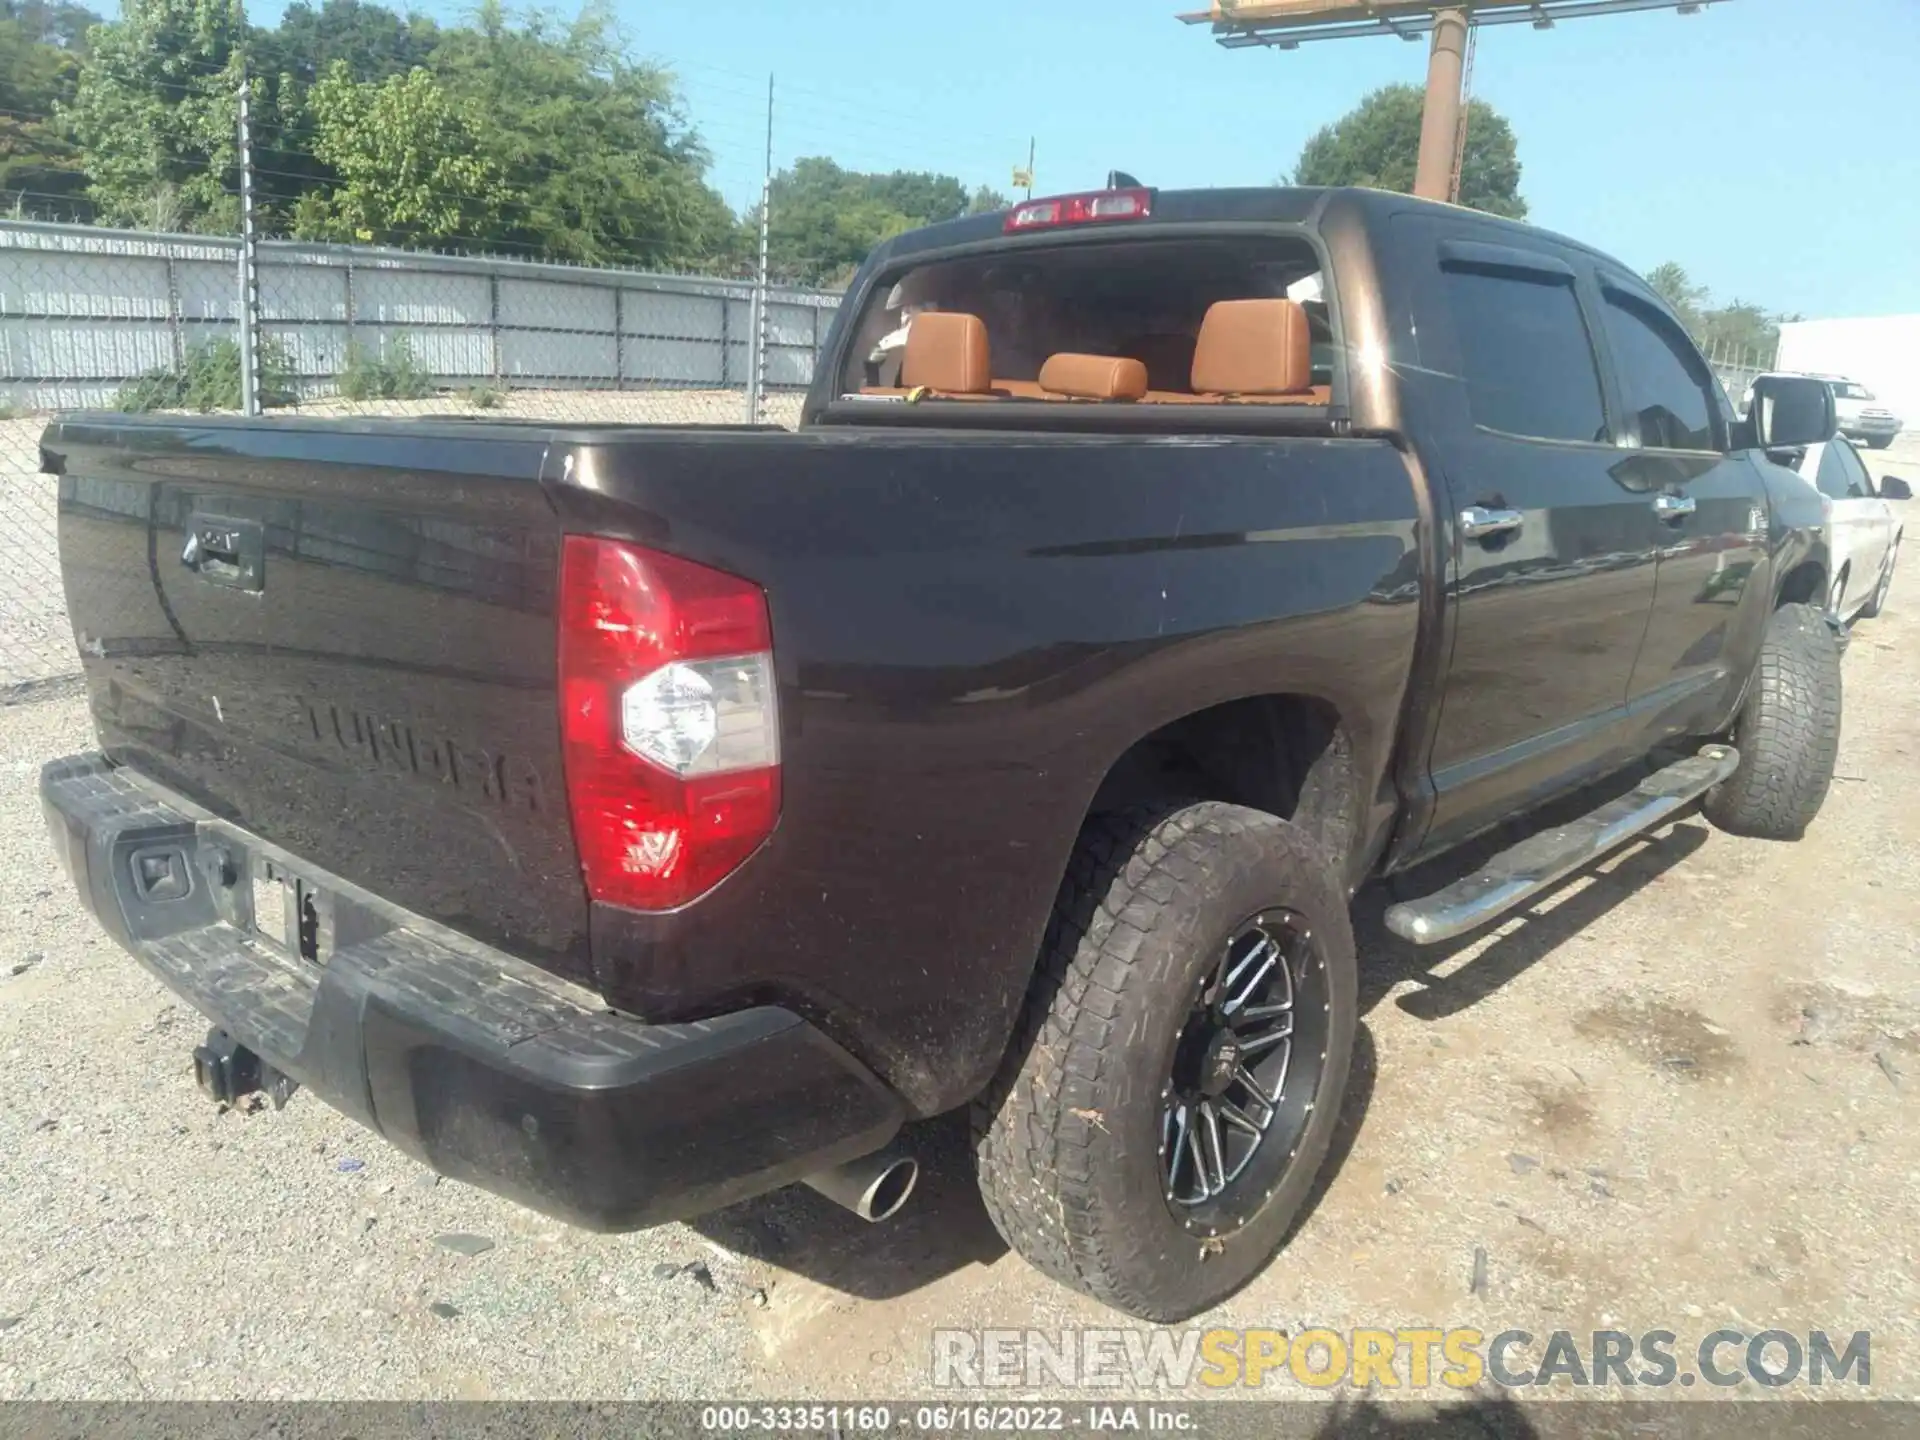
1094	377
947	351
1253	347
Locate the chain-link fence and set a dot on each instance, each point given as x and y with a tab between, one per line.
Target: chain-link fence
101	318
1737	365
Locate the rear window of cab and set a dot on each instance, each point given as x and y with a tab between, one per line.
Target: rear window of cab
1163	318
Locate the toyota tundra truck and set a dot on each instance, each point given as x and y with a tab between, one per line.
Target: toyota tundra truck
631	820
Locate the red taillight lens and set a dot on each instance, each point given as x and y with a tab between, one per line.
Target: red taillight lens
1085	209
669	721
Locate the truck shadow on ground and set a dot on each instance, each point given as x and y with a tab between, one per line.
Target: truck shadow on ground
944	1227
1386	960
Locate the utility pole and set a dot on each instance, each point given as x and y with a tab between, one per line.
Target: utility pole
1466	119
1440	121
249	266
757	362
1288	24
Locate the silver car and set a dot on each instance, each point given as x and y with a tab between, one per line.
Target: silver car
1864	531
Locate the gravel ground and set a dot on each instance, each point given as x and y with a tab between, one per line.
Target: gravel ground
1679	1094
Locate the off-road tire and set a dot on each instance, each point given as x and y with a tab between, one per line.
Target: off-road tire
1788	733
1067	1138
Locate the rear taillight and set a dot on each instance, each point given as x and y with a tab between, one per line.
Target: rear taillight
669	721
1095	205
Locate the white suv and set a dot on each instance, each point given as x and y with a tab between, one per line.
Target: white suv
1861	417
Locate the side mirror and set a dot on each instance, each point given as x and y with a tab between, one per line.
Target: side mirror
1791	410
1892	487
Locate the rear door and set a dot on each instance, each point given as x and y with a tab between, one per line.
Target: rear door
341	637
1552	547
1711	598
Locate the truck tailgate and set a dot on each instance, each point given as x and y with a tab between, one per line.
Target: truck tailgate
340	636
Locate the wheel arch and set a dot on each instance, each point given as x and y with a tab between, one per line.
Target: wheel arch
1288	753
1804	584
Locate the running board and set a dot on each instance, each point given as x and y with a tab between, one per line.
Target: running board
1522	871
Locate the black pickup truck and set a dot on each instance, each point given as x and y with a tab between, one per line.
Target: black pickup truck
631	820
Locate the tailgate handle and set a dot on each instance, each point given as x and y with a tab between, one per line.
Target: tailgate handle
226	552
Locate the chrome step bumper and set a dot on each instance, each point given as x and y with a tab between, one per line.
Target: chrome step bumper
1522	871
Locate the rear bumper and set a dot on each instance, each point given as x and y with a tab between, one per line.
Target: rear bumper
474	1062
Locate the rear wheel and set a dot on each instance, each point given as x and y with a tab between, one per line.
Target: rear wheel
1158	1124
1879	599
1788	733
1879	442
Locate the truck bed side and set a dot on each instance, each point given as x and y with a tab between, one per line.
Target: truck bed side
971	630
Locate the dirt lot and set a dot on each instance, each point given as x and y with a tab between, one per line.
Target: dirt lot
1680	1094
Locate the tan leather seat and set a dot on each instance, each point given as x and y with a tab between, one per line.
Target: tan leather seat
1253	347
1251	352
947	353
1094	377
947	358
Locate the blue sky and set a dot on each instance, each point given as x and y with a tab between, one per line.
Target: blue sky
1772	147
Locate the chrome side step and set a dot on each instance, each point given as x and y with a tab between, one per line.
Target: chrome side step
1522	871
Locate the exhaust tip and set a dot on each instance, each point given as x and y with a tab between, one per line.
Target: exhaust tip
889	1191
874	1187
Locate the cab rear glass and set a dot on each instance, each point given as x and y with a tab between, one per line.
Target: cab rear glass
1143	299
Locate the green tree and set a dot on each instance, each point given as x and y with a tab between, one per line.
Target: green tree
920	195
1673	285
410	166
826	219
1734	328
41	52
987	200
62	24
593	145
524	134
153	114
1377	144
372	40
1740	327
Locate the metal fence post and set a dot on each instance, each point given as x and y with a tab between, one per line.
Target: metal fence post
493	324
619	337
347	353
756	336
762	345
174	337
757	370
249	269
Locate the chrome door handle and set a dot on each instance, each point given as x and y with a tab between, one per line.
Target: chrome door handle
1477	522
1674	507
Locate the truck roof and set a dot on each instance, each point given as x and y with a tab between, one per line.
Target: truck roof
1276	204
